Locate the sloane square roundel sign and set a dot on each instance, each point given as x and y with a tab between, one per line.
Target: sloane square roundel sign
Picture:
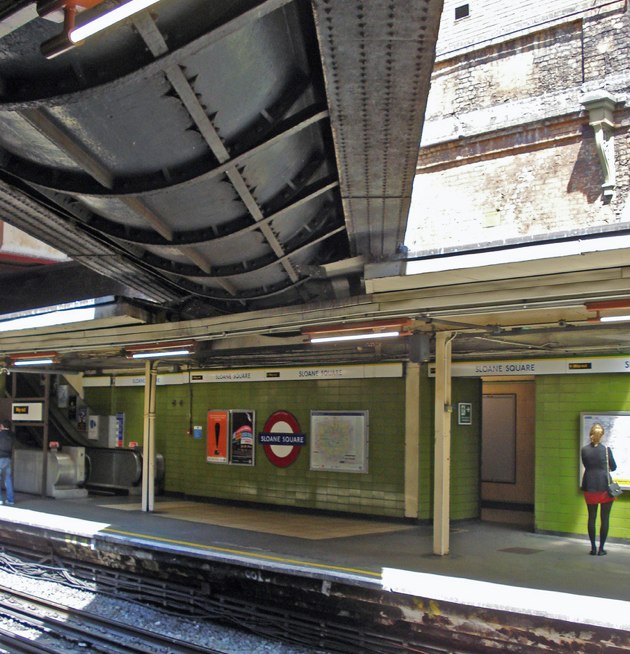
282	439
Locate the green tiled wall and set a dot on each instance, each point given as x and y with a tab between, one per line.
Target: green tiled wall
560	505
465	449
379	492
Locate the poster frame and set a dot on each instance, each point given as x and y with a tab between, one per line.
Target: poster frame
242	418
344	461
219	453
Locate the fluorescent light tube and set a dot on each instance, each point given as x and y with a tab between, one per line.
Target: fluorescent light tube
159	355
354	337
613	318
32	362
108	19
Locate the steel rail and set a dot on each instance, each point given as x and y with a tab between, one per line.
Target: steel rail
85	627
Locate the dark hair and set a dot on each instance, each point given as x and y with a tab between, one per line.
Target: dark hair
6	424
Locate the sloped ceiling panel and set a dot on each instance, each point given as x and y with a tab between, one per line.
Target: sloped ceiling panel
192	144
219	157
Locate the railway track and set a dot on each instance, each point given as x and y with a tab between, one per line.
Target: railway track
55	628
278	623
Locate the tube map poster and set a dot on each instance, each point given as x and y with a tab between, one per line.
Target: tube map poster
339	441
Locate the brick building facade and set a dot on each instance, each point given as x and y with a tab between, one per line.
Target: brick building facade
509	151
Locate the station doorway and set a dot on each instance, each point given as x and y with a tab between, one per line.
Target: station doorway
507	452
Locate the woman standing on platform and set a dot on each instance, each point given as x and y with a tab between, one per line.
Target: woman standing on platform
598	460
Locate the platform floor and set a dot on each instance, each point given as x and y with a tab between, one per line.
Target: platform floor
490	564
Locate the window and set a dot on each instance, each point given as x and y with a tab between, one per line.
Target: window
462	11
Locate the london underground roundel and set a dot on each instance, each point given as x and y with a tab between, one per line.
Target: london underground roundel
282	427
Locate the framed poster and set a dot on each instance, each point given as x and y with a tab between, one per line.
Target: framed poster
339	441
242	437
616	426
217	443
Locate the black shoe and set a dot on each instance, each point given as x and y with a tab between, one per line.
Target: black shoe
593	552
602	552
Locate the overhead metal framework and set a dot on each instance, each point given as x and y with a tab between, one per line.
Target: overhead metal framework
218	157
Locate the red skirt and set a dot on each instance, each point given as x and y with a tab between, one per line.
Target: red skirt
597	497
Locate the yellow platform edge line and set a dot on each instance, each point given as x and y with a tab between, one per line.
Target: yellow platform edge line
227	550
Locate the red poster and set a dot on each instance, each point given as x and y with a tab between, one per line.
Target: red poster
217	445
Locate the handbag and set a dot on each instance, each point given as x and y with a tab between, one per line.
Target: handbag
614	490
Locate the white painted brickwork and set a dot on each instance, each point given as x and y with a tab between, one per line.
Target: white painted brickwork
492	20
508	154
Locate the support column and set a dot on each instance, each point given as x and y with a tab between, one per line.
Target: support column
442	462
148	444
45	416
412	440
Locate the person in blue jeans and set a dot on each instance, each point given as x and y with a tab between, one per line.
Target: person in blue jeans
7	438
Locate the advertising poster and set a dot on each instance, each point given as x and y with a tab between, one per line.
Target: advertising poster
242	437
217	445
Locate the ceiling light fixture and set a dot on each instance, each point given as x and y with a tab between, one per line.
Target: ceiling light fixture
84	18
376	329
34	359
354	337
609	305
160	354
97	22
614	318
160	350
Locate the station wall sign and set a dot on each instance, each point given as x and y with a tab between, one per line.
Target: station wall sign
282	438
526	367
27	411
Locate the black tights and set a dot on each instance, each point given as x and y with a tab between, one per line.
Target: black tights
605	521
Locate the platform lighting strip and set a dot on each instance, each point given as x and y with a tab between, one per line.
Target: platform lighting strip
103	21
33	362
614	318
354	337
159	355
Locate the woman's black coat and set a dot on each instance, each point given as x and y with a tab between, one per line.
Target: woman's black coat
596	477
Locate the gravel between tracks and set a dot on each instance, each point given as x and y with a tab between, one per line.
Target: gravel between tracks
204	633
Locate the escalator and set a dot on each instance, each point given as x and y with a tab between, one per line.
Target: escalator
112	471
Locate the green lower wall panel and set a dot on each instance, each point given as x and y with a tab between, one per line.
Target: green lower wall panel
559	505
378	492
560	399
465	450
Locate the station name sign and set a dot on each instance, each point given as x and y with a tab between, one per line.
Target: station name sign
597	365
274	438
365	371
